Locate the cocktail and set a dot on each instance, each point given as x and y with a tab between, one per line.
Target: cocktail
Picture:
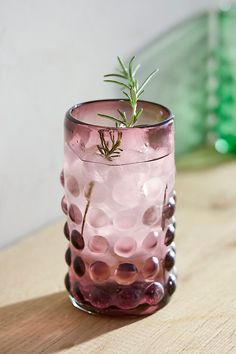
120	202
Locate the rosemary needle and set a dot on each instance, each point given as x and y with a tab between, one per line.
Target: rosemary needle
131	89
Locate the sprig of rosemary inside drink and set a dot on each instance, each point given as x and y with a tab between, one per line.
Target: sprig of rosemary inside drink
87	195
131	89
110	148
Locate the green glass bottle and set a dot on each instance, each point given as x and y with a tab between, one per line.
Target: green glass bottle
181	54
226	76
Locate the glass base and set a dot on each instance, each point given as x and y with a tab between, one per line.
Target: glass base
141	310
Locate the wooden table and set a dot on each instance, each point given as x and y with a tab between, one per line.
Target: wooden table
37	317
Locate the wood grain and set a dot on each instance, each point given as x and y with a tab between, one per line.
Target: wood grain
36	316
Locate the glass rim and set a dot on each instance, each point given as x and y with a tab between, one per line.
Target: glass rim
69	116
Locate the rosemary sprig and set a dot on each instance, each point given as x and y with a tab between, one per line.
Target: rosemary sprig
163	206
110	149
131	89
87	196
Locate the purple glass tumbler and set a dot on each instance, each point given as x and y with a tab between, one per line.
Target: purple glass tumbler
120	202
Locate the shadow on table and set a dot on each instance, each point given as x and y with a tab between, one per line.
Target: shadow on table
49	324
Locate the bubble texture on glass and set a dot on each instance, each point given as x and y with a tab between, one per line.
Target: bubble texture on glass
68	256
75	214
151	215
154	293
126	273
119	206
125	246
125	219
150	268
79	266
171	284
98	218
153	189
98	244
73	186
64	205
170	235
77	240
77	293
100	298
150	241
170	208
66	231
62	178
99	271
67	281
169	260
128	298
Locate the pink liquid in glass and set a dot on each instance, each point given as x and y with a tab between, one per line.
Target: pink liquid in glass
120	207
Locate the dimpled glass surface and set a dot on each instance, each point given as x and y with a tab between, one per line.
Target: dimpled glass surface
120	209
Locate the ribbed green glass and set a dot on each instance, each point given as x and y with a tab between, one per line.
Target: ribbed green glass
226	77
181	55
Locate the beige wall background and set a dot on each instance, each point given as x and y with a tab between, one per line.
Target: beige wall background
53	54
